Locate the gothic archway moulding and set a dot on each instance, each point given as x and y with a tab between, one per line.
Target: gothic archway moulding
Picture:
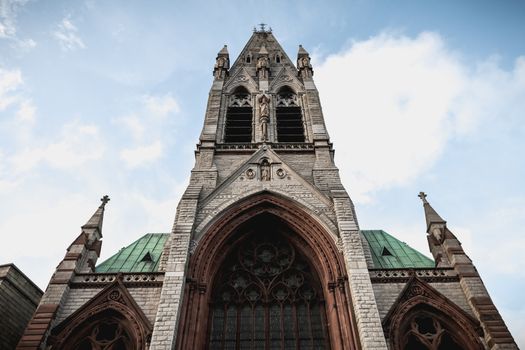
314	242
418	297
114	300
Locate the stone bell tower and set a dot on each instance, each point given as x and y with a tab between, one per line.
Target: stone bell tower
264	148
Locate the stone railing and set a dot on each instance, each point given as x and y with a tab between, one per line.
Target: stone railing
403	275
87	280
297	146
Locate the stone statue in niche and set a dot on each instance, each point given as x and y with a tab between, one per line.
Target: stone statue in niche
262	67
221	66
264	115
265	170
305	67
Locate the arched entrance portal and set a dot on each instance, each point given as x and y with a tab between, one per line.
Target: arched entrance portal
266	275
266	295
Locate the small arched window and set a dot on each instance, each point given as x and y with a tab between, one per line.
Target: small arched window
248	58
289	117
238	126
278	58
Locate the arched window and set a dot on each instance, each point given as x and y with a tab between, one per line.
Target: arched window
238	126
107	330
289	117
266	296
428	329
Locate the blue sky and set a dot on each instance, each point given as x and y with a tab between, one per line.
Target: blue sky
108	97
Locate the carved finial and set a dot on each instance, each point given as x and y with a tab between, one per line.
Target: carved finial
423	197
104	200
263	26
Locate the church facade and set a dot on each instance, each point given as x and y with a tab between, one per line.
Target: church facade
266	251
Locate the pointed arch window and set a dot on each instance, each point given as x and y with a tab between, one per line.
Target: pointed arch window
108	330
266	296
428	329
289	117
238	125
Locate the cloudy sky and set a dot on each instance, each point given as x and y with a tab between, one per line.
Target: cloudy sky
108	97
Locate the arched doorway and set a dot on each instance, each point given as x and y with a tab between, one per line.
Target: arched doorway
243	227
266	295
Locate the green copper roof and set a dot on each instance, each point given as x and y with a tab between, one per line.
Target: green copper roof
390	253
143	255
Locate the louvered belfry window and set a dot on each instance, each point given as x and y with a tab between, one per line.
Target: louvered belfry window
267	297
289	117
238	127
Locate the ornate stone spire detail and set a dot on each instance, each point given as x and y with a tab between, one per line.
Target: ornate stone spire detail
95	222
222	63
303	63
431	216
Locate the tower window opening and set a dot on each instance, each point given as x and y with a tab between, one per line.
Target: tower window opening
238	126
289	117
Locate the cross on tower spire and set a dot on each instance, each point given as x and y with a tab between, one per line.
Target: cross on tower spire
423	197
104	200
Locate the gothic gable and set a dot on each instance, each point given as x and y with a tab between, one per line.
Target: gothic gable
253	47
113	305
419	297
265	171
286	77
240	77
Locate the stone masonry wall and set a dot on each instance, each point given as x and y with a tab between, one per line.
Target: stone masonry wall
147	298
19	298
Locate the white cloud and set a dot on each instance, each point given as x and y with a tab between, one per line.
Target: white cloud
26	112
161	106
78	144
8	13
142	155
10	80
133	124
412	94
67	36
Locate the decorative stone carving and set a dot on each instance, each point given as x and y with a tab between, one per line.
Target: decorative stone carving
242	77
240	100
262	67
303	64
281	173
265	170
221	67
250	174
287	99
264	115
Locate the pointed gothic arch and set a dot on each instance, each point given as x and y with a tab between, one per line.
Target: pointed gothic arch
305	234
110	320
423	318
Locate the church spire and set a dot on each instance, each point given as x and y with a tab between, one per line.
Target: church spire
95	222
431	216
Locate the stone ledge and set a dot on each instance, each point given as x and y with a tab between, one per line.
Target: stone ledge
403	275
98	280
